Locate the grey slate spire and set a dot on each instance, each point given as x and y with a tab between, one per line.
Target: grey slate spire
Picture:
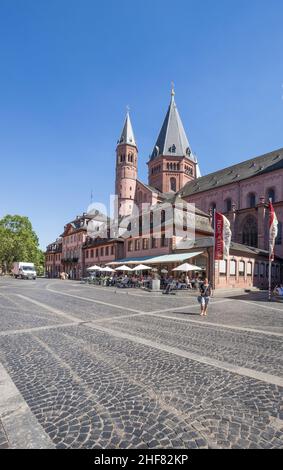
127	136
172	139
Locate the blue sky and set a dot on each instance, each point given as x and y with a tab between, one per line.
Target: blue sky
69	69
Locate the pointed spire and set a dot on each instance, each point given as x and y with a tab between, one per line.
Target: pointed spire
198	172
127	136
172	139
172	90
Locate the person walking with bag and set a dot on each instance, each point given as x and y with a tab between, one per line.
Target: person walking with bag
204	297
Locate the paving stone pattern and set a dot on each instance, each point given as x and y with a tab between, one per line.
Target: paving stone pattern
93	389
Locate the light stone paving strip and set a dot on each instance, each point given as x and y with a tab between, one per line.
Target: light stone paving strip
22	429
267	378
156	313
50	309
38	328
173	309
266	307
219	325
147	384
87	299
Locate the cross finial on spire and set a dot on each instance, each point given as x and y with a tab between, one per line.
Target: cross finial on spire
128	109
172	89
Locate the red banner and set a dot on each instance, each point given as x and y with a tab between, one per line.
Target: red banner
219	242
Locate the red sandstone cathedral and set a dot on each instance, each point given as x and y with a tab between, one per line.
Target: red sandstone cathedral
241	192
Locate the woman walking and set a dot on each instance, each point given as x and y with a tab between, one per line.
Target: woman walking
205	294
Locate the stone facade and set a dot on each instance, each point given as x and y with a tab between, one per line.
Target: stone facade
241	192
53	259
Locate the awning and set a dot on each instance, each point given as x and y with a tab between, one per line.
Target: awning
162	259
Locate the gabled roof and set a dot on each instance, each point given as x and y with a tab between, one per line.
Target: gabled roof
172	139
127	136
150	188
250	168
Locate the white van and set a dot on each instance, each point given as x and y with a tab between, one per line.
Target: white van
24	270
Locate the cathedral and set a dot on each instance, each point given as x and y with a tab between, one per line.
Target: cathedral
170	167
241	192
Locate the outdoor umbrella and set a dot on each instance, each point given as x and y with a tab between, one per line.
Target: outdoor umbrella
187	267
123	268
94	268
164	271
141	267
106	270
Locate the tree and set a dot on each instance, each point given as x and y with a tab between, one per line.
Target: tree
18	242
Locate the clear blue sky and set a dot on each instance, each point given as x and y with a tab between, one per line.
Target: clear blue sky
68	69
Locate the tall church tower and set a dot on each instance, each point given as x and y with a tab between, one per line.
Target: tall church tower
126	169
172	163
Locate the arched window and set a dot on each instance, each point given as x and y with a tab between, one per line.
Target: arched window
173	184
241	268
256	270
232	267
163	215
271	195
249	232
228	205
249	268
151	221
251	200
168	166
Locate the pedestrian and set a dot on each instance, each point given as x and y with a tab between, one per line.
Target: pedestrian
204	297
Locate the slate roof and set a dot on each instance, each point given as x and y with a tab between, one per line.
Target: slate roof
127	136
151	188
254	167
207	242
172	139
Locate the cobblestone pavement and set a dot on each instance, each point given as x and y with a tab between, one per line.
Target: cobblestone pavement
100	368
3	438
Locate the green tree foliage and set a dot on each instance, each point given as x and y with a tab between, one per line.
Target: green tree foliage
19	242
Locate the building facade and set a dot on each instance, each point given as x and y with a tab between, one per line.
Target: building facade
241	192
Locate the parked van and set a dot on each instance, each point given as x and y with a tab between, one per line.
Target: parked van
24	270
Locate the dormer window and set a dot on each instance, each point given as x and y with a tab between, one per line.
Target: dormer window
172	149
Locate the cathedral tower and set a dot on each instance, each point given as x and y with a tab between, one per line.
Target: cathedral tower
172	163
126	169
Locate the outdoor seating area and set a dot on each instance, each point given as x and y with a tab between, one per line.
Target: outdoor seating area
184	277
278	293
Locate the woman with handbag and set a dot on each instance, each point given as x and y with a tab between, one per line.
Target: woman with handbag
204	297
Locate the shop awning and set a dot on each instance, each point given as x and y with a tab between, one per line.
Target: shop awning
162	259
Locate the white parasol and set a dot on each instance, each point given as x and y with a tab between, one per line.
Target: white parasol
141	267
123	268
187	267
94	268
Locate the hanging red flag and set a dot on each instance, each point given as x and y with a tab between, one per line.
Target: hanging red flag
273	230
222	236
